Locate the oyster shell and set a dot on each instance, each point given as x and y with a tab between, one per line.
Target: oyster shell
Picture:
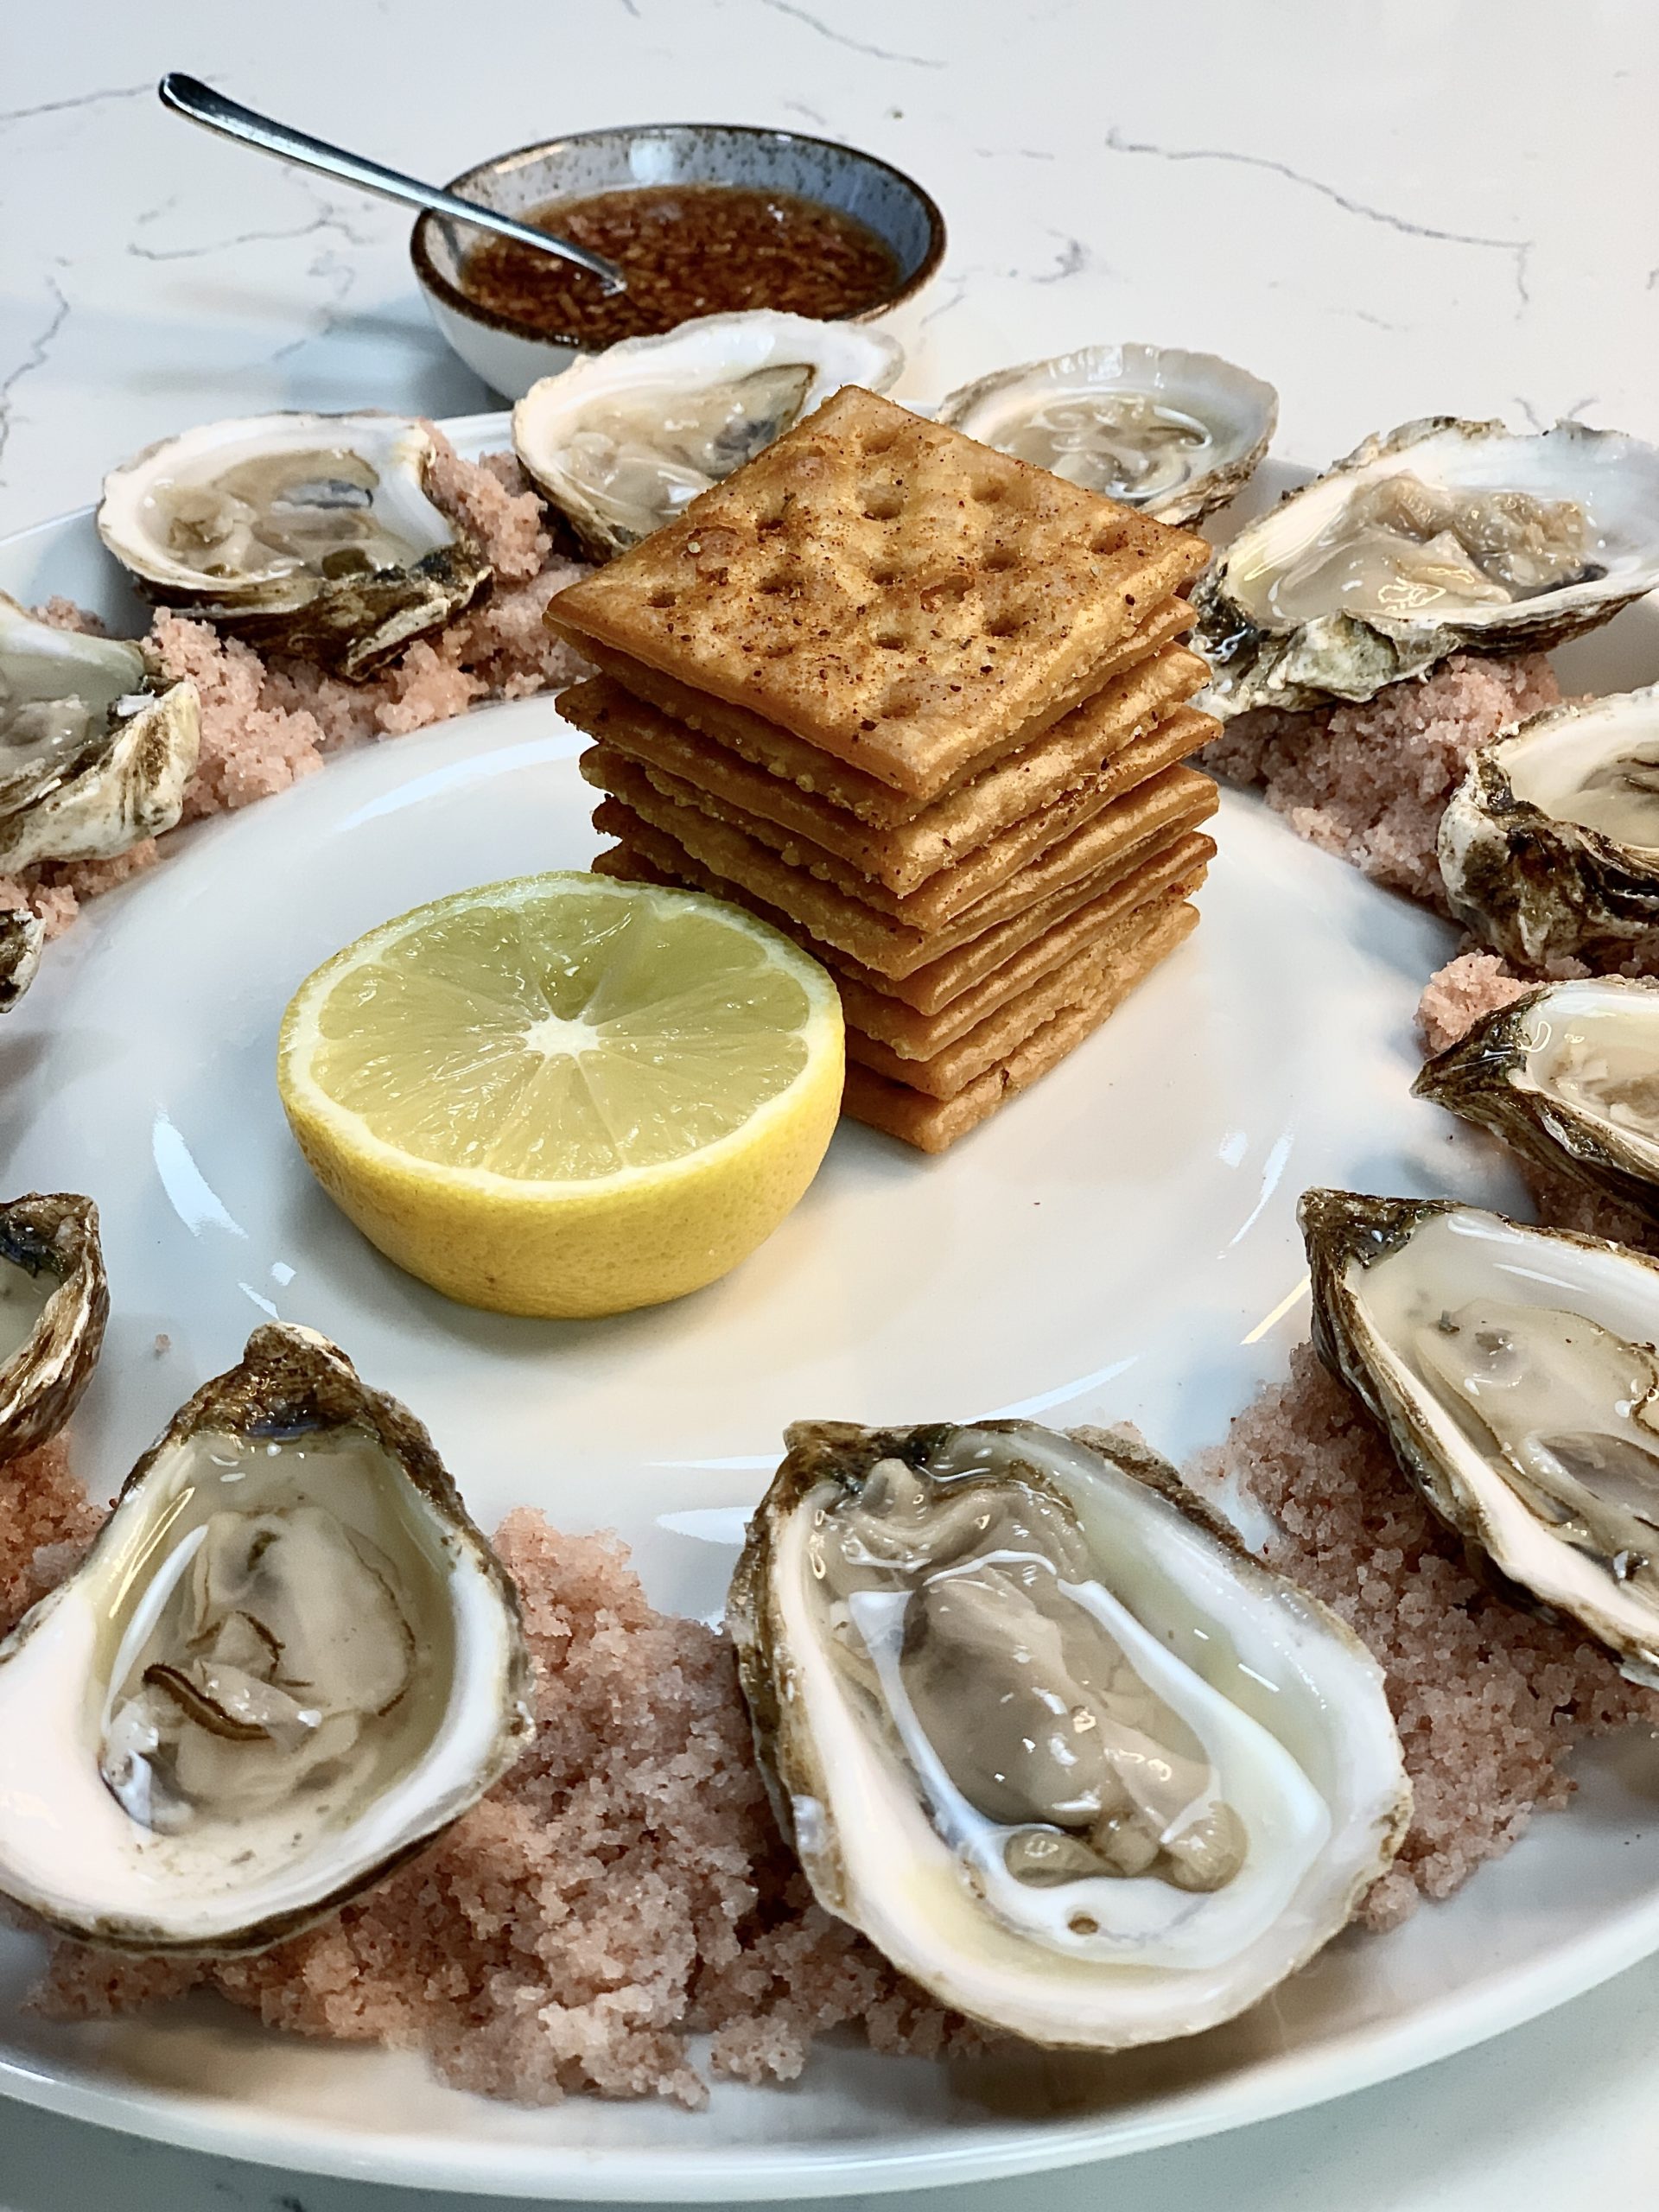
1569	1077
54	1304
311	534
1549	847
287	1662
621	441
1177	434
23	935
1442	536
93	754
1515	1371
1041	1728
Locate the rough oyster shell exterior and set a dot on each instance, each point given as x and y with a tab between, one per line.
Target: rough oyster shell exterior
1532	885
23	935
54	1234
1492	1077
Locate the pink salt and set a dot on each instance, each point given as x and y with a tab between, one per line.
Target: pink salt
1371	782
1489	1701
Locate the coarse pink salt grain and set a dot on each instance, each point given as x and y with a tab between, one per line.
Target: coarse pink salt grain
1371	782
1489	1701
47	1520
623	1889
1458	995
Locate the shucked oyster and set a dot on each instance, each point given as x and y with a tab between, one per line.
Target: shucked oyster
1051	1739
1569	1076
54	1304
93	755
621	441
1177	434
1442	536
1549	847
288	1661
1516	1374
314	534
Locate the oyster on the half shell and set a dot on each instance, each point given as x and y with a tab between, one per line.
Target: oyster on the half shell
1516	1374
1569	1077
1442	536
622	441
1549	847
287	1662
95	753
1039	1727
1175	433
310	534
54	1304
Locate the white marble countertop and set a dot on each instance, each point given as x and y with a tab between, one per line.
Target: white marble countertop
1388	212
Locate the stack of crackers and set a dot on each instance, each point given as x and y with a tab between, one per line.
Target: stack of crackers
924	707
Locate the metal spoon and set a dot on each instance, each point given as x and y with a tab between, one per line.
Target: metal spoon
189	96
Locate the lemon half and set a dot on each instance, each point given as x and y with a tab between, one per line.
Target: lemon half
565	1095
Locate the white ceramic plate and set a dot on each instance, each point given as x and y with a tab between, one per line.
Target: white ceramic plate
1119	1245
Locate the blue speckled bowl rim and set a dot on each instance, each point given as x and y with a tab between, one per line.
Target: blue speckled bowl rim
439	285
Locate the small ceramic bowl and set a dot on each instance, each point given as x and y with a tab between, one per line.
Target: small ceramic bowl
509	355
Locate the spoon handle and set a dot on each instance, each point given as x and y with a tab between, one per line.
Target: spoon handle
189	95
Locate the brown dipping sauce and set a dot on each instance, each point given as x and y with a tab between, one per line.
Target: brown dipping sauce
687	249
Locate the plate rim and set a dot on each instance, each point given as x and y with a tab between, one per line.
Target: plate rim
1361	2058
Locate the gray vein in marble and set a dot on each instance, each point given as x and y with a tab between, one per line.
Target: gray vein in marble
81	100
1073	258
853	45
800	107
1520	248
956	291
1015	153
40	349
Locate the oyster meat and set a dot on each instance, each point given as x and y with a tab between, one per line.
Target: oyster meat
1549	847
1174	433
54	1304
94	753
1443	536
622	441
1515	1371
311	534
1569	1076
23	935
287	1662
1042	1729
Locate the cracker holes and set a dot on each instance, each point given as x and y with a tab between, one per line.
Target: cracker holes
662	597
901	701
880	502
1001	558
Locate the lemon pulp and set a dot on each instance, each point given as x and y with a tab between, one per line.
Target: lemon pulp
565	1094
